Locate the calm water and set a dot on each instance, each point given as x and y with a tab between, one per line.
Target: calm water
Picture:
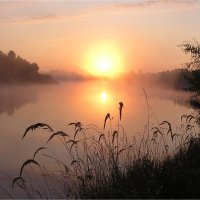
58	105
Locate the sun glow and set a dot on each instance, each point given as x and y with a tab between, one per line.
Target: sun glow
104	64
104	60
103	97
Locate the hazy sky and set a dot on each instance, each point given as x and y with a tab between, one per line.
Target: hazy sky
64	34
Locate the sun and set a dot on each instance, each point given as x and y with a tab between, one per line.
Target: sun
104	63
104	59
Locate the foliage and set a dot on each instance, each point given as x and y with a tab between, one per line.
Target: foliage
15	69
193	49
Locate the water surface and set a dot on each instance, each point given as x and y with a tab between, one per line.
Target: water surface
60	104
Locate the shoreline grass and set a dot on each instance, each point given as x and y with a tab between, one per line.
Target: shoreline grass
104	164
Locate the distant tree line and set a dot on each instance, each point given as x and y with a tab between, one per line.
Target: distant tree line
15	69
174	79
187	78
193	49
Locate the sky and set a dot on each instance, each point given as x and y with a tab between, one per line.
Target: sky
83	36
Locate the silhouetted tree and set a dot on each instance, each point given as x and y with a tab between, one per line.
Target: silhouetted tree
193	49
15	69
11	54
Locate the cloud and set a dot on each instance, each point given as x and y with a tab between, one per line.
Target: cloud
43	11
54	11
122	5
28	19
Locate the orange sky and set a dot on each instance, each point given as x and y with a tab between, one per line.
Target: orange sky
64	34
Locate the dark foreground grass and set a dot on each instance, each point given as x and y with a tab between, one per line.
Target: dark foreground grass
174	177
161	162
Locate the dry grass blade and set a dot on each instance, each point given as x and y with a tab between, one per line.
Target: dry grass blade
17	179
113	135
72	146
72	123
88	158
73	143
173	135
197	120
169	130
183	116
27	162
77	130
76	125
169	125
102	135
73	162
61	133
39	149
66	169
187	138
188	127
37	125
81	161
40	195
156	130
189	118
120	151
120	109
106	118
